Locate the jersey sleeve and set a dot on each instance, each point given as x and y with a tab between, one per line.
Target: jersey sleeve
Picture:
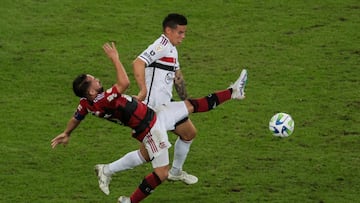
81	110
155	51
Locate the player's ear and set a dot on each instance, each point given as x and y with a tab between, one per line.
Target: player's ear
167	30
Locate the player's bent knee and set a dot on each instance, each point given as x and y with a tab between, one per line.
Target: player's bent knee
186	130
162	172
188	136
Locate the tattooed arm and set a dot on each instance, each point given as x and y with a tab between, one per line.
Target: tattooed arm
180	85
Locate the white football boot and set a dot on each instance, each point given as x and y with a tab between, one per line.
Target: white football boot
124	199
184	177
103	179
238	88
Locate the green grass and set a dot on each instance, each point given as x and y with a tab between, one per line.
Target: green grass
303	58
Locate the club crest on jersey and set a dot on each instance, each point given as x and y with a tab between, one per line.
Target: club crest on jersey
169	78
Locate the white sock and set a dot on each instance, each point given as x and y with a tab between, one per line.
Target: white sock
129	161
181	149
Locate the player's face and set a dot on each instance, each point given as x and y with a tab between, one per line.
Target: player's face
95	84
176	35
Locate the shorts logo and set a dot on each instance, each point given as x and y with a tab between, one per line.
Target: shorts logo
162	145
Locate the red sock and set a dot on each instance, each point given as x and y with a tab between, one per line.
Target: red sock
149	183
211	101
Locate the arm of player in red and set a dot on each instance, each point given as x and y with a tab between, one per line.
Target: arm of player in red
64	137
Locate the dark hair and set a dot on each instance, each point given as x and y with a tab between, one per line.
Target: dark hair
173	19
81	85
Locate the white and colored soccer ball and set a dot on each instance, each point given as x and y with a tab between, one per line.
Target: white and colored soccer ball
281	125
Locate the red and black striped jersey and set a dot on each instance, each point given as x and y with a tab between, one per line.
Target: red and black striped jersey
119	108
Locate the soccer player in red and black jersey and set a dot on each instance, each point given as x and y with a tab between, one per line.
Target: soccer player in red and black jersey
149	126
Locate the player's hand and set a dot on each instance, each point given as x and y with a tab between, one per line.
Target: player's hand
111	51
141	96
63	138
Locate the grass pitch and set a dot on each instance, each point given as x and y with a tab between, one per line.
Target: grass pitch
303	58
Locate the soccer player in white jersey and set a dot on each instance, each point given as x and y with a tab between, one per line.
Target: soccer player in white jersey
157	72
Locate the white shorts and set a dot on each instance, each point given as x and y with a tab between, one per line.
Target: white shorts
171	113
157	141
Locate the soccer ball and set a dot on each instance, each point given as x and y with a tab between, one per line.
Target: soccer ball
281	125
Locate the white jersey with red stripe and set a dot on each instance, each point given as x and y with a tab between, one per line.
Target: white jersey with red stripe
161	60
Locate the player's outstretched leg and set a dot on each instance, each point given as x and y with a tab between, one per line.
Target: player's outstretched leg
235	91
104	180
128	161
238	88
124	199
146	187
